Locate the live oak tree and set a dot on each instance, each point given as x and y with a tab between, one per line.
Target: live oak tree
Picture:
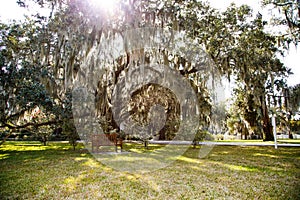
246	53
289	17
22	90
71	33
286	19
294	99
235	41
27	102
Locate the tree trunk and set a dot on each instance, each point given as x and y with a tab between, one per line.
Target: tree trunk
267	127
5	138
44	138
146	143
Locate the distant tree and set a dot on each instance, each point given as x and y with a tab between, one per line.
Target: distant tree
289	15
68	125
294	99
247	53
295	126
202	135
42	132
70	131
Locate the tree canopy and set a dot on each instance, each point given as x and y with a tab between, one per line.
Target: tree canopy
289	15
43	57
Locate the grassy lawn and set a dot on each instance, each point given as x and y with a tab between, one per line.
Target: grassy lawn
246	141
32	171
282	141
289	141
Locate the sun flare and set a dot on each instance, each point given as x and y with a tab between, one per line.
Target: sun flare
107	5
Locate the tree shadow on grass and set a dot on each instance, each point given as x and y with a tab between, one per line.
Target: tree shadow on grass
236	172
274	173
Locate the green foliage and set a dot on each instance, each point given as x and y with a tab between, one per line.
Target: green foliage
21	87
70	131
42	57
253	62
219	137
68	126
209	137
202	135
294	99
26	81
287	14
295	126
43	133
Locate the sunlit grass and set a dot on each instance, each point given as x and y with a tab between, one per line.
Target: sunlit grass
240	168
34	146
283	141
292	141
32	171
247	141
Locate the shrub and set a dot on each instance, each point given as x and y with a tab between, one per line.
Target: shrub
70	131
231	137
209	137
202	135
219	137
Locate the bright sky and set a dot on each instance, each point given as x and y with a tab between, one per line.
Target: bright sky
10	10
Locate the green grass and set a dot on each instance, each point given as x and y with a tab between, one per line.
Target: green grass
289	141
281	141
32	171
244	141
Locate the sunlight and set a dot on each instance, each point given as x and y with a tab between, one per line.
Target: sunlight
3	156
240	168
107	5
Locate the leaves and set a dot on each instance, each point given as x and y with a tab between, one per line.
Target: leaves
41	58
289	14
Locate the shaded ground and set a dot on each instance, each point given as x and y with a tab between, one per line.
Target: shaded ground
280	143
31	171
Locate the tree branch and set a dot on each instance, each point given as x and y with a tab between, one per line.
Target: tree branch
16	127
291	24
16	114
282	4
